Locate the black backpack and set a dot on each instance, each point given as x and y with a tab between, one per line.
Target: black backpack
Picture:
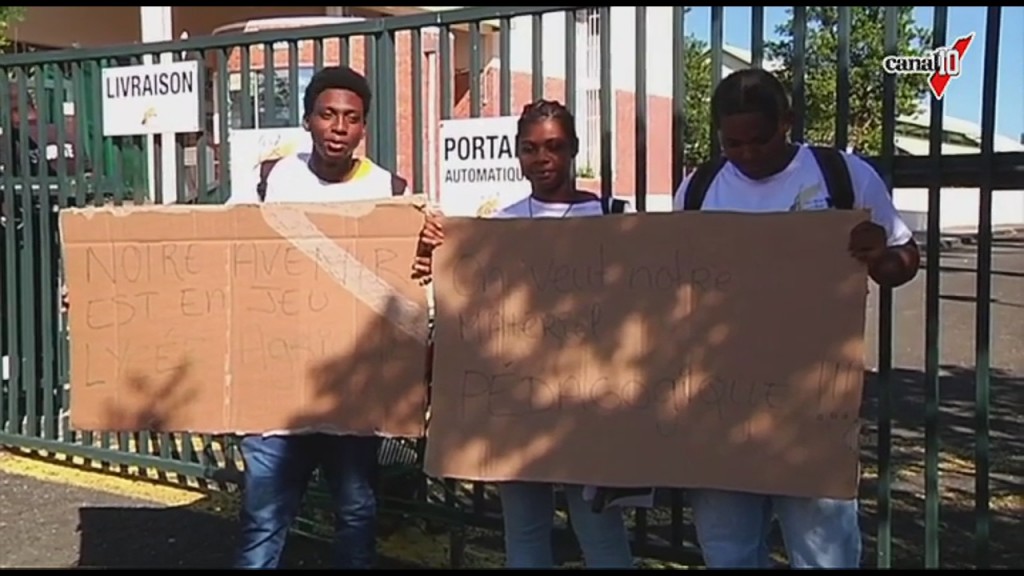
830	161
612	206
398	184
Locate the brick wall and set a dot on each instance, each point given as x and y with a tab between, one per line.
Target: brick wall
659	112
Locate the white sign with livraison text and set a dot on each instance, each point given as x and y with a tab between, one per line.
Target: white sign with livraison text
151	99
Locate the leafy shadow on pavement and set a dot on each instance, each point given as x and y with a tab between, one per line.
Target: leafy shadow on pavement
192	536
175	537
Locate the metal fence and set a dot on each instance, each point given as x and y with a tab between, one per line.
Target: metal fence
469	62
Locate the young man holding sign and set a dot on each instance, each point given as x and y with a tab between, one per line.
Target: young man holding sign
279	465
546	145
761	171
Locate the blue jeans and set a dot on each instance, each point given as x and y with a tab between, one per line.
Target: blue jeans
529	513
277	472
732	529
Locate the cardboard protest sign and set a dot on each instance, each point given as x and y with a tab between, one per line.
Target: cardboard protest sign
246	318
678	350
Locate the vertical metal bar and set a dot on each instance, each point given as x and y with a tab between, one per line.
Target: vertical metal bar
475	69
344	51
678	95
456	543
5	222
885	313
757	36
28	255
799	71
445	63
505	57
59	98
63	198
843	80
932	277
223	104
607	101
81	157
112	147
983	293
570	61
47	302
247	116
182	183
203	141
81	144
98	164
11	319
717	46
372	73
136	162
570	71
269	96
387	105
294	98
537	67
318	54
640	162
416	53
100	171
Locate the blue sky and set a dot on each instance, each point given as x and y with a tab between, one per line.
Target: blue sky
963	97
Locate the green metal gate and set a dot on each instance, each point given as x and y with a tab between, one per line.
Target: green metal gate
482	57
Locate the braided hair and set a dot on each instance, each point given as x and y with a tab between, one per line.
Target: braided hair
541	110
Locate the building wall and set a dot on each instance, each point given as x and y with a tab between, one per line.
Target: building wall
93	26
624	120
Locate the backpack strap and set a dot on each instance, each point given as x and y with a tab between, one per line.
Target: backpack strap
613	206
265	167
398	185
837	176
700	182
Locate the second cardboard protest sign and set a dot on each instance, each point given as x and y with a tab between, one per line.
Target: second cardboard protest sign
680	350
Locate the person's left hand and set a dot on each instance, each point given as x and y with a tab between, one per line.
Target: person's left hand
867	242
431	236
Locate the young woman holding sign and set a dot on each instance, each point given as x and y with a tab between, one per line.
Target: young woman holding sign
546	144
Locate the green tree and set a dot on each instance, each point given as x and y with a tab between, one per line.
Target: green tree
697	124
867	48
9	15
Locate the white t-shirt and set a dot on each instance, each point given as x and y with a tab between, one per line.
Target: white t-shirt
801	186
530	207
292	180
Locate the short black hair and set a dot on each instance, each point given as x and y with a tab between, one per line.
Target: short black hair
539	110
750	91
336	78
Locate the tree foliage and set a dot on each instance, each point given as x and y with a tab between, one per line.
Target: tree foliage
867	49
9	15
697	124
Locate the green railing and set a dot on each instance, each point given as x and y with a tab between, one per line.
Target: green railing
822	56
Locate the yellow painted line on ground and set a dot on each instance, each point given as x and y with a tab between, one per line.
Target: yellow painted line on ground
70	474
409	544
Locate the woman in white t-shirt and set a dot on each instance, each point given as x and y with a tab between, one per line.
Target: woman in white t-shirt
546	144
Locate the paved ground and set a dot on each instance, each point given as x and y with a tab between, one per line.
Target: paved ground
58	517
57	524
956	417
46	524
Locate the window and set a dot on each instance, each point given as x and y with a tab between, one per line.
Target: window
588	92
284	101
